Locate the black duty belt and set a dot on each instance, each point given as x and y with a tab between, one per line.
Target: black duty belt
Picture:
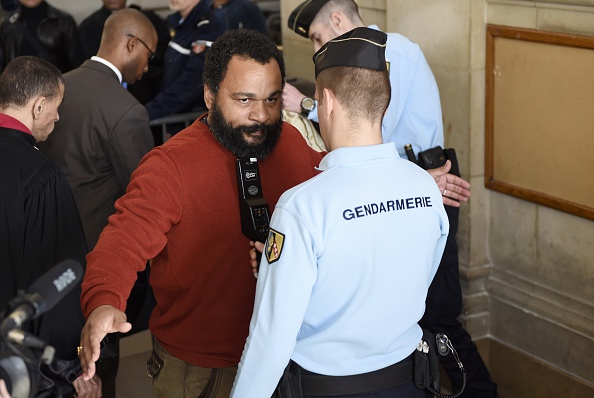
389	377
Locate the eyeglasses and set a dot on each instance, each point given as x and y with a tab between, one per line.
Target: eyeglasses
144	44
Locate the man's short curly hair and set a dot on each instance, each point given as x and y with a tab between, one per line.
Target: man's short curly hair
242	43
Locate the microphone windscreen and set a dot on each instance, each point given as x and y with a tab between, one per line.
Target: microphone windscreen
56	283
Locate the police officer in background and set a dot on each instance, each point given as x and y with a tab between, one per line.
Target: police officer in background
351	252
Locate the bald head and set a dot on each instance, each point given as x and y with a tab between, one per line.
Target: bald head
113	5
129	39
123	22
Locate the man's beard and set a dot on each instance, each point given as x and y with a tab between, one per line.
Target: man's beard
232	138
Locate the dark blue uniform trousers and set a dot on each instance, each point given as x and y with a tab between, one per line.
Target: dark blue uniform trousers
407	390
443	306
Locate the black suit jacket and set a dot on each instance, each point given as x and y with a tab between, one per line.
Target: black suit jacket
102	134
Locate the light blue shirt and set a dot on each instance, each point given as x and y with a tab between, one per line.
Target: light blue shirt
414	114
357	247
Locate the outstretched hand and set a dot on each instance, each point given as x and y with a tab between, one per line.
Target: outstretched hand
104	319
453	188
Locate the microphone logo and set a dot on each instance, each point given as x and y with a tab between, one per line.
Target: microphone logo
64	280
251	175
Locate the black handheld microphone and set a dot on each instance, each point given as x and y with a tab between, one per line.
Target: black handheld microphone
44	294
254	210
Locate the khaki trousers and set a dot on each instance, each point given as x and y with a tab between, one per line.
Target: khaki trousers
173	377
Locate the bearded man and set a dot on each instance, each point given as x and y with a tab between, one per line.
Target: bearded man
181	210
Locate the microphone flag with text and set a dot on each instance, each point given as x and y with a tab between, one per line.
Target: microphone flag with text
43	294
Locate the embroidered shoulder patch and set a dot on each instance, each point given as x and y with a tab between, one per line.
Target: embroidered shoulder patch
274	245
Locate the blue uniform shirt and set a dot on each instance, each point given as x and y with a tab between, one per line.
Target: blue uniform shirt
414	113
181	87
240	14
345	270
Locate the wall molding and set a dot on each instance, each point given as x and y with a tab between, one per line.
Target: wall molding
534	298
569	5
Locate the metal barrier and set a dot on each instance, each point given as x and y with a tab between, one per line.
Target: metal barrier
179	118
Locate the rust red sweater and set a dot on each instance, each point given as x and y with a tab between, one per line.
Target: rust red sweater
181	209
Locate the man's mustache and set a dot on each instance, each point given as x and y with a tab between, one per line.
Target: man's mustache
254	128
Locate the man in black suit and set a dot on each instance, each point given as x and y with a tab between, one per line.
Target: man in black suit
89	37
104	130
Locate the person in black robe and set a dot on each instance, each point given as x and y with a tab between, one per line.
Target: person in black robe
39	221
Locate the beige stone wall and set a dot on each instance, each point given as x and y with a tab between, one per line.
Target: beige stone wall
542	282
527	270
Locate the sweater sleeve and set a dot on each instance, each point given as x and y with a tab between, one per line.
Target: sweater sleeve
136	233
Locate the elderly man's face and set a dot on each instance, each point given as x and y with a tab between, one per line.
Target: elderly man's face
47	117
114	5
245	115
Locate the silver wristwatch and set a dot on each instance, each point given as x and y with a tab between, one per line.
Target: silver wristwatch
307	104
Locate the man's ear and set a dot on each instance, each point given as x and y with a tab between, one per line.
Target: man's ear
208	97
131	43
329	101
337	19
38	104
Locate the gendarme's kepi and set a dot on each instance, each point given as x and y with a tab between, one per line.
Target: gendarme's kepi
360	47
303	15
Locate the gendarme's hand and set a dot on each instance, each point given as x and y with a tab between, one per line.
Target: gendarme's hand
453	188
292	98
254	256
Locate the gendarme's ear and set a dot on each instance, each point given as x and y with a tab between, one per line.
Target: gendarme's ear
337	19
329	98
208	97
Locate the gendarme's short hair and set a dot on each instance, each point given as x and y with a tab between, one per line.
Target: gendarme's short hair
360	48
303	15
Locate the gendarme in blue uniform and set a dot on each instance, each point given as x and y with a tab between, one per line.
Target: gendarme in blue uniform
414	114
181	87
345	270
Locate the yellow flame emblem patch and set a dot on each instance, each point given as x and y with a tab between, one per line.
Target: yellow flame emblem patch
274	246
